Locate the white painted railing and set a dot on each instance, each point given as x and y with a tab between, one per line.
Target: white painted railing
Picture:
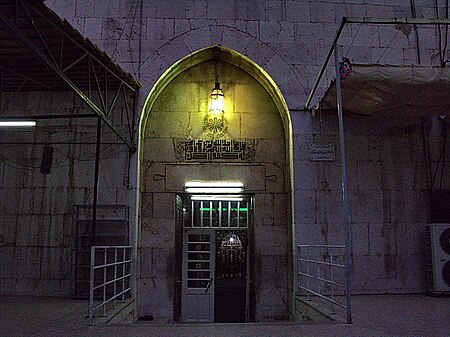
110	277
321	272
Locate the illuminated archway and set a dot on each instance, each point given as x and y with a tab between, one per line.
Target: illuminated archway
163	176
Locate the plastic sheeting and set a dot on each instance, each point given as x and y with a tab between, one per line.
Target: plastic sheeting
386	90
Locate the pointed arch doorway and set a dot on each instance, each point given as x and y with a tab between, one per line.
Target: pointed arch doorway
254	147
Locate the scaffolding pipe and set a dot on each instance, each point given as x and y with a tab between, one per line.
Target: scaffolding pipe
344	186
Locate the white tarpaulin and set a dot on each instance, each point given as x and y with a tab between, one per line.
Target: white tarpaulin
386	90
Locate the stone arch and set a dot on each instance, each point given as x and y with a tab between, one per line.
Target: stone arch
235	58
242	40
156	186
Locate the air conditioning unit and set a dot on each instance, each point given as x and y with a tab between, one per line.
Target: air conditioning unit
438	237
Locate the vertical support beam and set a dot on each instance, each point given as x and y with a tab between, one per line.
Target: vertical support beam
96	173
1	88
344	186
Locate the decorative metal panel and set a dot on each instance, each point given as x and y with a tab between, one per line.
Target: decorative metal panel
218	214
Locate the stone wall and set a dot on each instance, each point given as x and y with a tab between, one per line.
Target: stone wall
38	210
289	39
388	197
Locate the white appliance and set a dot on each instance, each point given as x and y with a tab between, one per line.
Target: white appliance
439	256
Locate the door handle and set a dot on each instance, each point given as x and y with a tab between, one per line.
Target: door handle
208	285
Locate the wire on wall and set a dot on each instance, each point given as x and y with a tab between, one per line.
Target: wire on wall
442	48
416	32
127	19
441	161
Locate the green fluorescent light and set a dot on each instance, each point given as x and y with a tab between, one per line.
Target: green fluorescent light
9	124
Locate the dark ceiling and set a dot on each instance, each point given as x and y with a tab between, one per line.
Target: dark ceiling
39	52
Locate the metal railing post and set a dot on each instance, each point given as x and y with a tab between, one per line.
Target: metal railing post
318	270
104	280
333	311
112	279
124	255
299	268
115	277
307	272
91	287
319	274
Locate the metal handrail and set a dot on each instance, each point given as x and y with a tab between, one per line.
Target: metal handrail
121	279
312	265
322	246
112	264
323	263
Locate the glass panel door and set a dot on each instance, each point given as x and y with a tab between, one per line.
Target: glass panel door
198	277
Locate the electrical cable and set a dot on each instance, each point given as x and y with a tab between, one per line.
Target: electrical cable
141	19
441	159
444	51
124	27
442	48
354	37
416	32
436	9
18	166
426	154
385	49
444	152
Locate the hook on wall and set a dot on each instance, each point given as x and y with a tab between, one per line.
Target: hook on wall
158	177
273	178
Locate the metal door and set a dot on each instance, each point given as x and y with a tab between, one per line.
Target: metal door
197	291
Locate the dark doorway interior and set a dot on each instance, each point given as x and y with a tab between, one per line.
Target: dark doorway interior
231	277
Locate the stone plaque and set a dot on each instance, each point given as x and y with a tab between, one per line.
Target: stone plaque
220	150
322	152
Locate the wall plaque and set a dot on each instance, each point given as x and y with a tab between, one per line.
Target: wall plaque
219	150
322	152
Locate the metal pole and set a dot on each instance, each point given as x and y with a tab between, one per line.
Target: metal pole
333	311
344	186
308	279
105	262
124	255
318	271
1	87
96	173
396	21
325	64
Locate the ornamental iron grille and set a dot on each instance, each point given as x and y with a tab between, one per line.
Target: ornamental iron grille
220	214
